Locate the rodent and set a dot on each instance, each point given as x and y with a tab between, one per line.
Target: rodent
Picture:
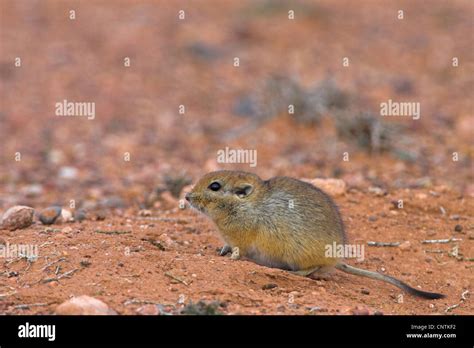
281	223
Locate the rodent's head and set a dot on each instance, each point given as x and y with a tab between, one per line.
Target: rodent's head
222	193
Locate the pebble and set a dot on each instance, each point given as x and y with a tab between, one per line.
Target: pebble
80	215
148	309
66	230
360	310
421	195
49	215
84	305
377	191
33	190
53	284
17	217
458	228
100	215
90	205
372	218
144	212
12	274
406	245
269	286
66	215
55	156
167	240
112	202
394	204
465	127
68	173
333	187
424	182
85	262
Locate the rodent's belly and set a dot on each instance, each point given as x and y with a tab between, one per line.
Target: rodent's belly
286	254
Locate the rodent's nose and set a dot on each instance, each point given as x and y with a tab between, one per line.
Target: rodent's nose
187	197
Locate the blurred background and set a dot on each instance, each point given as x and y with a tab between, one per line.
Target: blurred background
190	62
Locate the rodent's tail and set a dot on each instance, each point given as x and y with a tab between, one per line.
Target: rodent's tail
374	275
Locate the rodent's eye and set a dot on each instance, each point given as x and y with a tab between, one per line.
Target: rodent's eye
215	186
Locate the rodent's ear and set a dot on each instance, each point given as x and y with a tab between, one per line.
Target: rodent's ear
243	190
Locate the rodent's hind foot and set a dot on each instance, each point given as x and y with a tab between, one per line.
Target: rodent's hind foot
225	250
305	272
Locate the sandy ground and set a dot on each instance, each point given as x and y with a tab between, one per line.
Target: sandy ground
169	257
124	269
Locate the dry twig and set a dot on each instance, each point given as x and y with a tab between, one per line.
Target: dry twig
383	244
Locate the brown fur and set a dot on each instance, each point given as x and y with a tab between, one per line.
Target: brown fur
282	222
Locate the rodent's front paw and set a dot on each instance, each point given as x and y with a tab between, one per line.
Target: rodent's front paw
235	253
225	250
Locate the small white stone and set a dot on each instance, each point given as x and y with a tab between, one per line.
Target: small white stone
66	215
68	173
84	305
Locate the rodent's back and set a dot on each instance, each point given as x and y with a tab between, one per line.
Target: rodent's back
281	222
296	222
